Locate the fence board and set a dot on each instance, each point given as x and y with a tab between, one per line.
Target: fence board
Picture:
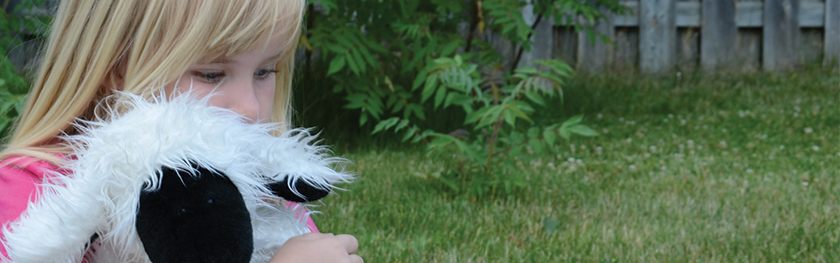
781	34
565	44
749	49
720	34
657	32
832	32
626	56
749	14
595	56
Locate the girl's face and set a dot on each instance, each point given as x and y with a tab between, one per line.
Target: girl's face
242	83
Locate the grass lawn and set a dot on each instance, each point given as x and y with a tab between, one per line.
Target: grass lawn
700	168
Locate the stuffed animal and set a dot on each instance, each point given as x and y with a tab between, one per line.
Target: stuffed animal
174	181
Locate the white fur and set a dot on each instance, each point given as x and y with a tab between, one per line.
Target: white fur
113	160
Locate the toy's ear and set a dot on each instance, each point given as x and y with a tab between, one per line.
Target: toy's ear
300	190
199	218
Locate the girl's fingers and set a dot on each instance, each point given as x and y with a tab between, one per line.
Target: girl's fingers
350	243
356	259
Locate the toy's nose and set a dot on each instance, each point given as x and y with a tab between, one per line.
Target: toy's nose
198	217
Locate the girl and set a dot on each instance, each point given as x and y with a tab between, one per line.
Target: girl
241	50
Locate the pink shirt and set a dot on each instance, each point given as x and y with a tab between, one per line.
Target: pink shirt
19	181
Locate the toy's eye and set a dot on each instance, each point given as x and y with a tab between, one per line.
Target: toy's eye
210	201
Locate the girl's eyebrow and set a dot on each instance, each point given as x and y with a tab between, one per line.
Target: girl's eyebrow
217	60
276	57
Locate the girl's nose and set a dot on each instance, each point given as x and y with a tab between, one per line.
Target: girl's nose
243	99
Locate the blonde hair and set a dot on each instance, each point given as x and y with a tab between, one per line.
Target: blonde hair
96	46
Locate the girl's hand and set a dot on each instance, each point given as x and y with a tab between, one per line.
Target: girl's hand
318	248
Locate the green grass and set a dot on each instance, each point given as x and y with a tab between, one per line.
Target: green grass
703	168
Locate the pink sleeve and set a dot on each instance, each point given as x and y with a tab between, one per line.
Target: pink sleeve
18	184
309	223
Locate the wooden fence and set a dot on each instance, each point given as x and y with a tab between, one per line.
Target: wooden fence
665	35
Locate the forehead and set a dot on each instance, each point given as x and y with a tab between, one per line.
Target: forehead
267	48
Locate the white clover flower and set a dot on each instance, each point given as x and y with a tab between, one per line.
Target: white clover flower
809	130
599	115
749	171
632	167
599	150
781	147
683	122
815	148
722	144
647	155
652	149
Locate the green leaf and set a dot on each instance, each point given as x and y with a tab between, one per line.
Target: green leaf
449	183
457	99
441	94
582	130
363	119
519	113
536	146
535	97
510	119
533	132
526	70
421	77
409	133
489	117
565	133
385	124
353	66
357	100
335	65
401	125
429	89
572	121
550	136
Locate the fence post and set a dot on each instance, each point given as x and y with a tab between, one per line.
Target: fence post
781	34
718	34
832	32
657	35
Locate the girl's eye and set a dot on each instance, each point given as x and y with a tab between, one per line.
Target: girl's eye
264	73
210	77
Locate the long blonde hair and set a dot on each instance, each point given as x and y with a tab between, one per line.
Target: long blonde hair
96	46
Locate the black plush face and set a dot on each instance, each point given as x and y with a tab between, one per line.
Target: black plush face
308	191
195	219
